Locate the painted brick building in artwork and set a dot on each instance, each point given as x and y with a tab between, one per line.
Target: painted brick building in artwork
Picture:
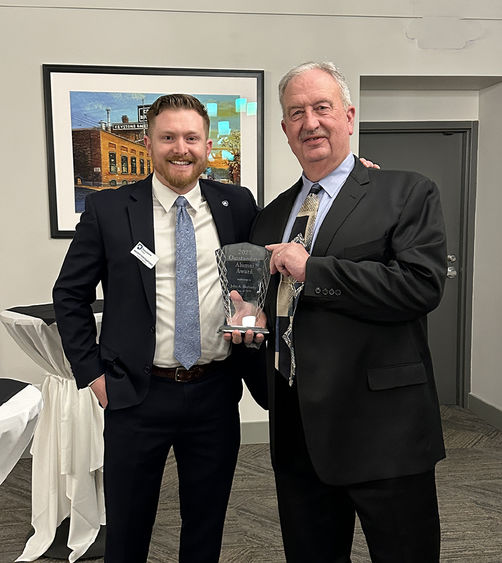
114	154
102	159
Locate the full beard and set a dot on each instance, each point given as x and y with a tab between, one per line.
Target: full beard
180	180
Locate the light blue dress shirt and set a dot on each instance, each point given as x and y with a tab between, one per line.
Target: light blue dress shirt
332	184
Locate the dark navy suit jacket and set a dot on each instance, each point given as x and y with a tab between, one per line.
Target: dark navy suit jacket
113	223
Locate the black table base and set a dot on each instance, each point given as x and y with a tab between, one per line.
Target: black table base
9	388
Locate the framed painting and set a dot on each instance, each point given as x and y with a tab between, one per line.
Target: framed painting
96	118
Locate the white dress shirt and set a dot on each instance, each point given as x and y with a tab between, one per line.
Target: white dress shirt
213	347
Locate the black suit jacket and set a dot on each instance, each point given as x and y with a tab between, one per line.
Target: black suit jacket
113	223
365	381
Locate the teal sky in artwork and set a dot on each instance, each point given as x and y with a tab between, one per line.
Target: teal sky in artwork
88	109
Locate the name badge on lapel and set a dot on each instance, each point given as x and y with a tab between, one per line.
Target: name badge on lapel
146	256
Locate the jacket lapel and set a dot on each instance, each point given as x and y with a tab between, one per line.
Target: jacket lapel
140	209
221	211
351	193
285	204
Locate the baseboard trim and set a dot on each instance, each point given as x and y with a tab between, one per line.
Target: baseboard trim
488	412
254	432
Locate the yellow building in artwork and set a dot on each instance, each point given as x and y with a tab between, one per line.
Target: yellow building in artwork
102	159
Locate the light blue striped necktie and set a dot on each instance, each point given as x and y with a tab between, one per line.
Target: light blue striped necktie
187	323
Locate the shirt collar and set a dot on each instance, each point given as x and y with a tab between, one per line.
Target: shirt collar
166	196
334	180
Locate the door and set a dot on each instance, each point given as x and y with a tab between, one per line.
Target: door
442	153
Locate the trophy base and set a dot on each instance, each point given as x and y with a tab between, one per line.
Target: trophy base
243	329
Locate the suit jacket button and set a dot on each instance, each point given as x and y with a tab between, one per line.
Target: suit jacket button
338	292
325	291
152	329
332	291
317	290
147	370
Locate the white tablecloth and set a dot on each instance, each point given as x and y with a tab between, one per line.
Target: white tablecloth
67	449
18	417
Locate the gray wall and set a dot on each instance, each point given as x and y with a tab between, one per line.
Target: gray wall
390	38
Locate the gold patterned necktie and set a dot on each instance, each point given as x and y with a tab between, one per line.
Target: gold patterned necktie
290	289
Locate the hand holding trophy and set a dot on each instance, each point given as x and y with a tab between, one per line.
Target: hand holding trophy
246	314
244	276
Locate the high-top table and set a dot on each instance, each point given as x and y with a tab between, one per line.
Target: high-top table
67	449
20	405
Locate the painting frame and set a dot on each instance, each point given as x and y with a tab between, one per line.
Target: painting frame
60	81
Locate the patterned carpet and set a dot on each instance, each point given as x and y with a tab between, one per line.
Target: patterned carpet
469	489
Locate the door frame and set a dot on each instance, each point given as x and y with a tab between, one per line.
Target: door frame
469	130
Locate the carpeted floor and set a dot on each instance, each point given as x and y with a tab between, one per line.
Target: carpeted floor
469	489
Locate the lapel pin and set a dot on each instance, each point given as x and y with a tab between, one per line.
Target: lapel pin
224	203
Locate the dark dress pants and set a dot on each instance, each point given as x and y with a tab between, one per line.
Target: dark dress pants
200	420
399	516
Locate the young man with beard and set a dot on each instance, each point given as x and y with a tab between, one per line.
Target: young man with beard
160	370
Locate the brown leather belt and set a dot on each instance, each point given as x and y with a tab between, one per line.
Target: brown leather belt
181	374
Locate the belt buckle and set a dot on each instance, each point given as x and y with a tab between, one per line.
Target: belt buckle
178	370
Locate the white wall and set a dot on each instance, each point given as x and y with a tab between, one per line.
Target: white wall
487	297
364	38
419	105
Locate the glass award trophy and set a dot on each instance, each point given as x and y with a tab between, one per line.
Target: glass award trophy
244	270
